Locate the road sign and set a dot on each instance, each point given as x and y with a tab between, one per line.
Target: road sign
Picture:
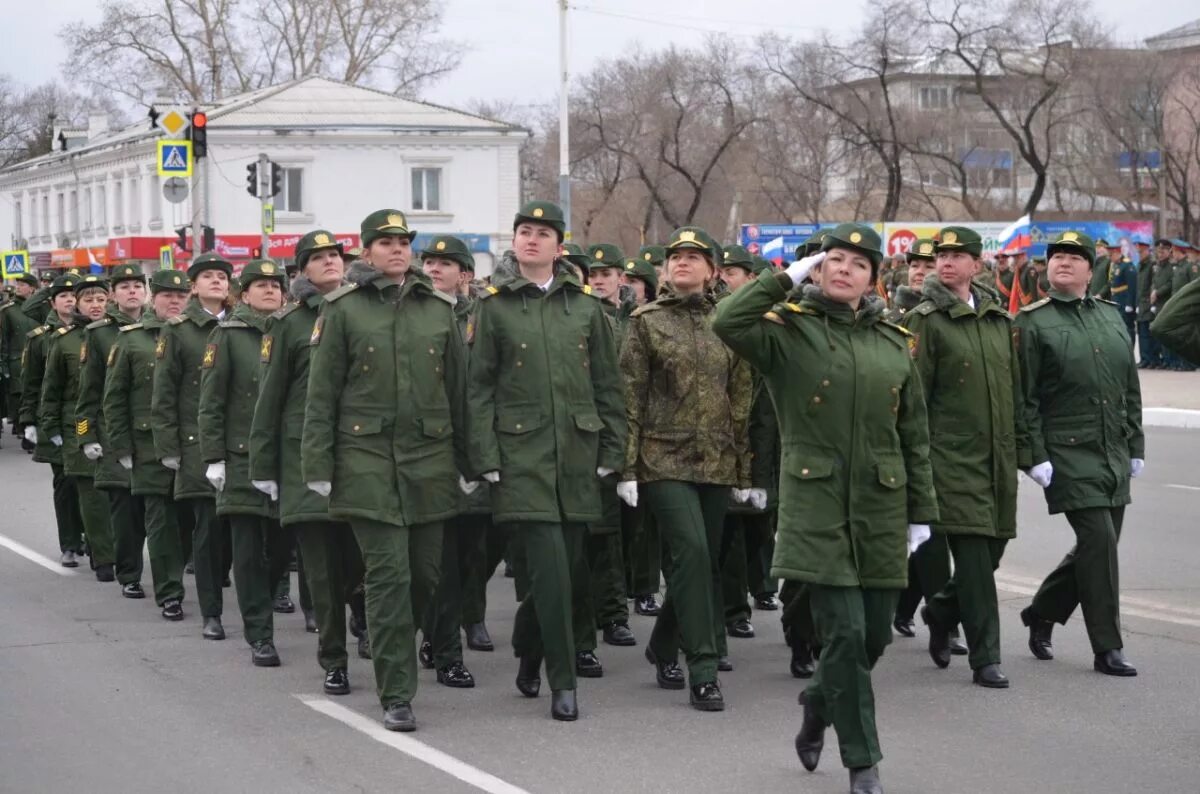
175	189
268	218
166	258
173	122
174	158
15	263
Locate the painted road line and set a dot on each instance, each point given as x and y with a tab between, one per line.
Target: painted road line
1133	601
1126	610
411	747
1183	487
33	556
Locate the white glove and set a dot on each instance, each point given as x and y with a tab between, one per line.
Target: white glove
758	498
798	271
31	434
93	451
56	440
627	491
467	488
604	471
126	462
323	487
269	487
171	463
917	534
492	476
216	475
1129	310
741	495
1042	474
1135	466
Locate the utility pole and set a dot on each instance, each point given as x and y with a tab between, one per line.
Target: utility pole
199	201
564	136
265	199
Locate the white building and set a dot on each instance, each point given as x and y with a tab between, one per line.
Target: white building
345	152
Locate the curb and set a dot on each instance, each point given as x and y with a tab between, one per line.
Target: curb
1171	417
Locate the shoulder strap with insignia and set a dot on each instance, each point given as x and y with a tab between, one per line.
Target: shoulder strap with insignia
926	307
341	292
66	329
179	320
100	323
233	323
774	317
895	327
489	292
1035	305
41	329
130	327
285	311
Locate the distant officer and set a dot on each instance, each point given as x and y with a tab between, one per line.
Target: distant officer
33	365
641	278
1160	290
1106	254
1004	278
175	411
383	439
1079	436
56	417
128	393
919	261
1123	290
655	255
125	512
547	424
14	325
1183	271
1149	354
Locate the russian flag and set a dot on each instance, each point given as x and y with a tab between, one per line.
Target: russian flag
773	250
93	265
1016	235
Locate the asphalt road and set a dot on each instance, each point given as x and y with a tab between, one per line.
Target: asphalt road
98	693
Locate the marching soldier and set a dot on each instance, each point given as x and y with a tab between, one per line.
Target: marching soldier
383	439
128	393
1079	436
546	426
56	413
14	325
228	390
1178	326
175	410
125	512
1149	355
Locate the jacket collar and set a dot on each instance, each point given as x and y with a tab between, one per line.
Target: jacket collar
869	312
986	299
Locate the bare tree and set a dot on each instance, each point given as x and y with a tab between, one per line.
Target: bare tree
28	117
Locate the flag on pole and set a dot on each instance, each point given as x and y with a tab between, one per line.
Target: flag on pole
93	265
772	250
1015	299
1016	236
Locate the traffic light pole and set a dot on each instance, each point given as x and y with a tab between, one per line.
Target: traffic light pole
264	198
199	202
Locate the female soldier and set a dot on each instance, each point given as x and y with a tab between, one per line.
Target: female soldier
688	402
1079	436
856	471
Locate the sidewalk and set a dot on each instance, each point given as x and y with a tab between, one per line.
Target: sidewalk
1170	399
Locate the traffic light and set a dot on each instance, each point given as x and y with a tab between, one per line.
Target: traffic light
276	178
181	233
252	179
199	134
256	252
209	237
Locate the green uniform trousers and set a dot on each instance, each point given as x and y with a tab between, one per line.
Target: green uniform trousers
443	618
208	553
931	561
1089	577
550	556
855	625
910	597
401	571
332	565
970	596
747	544
482	554
128	517
66	511
606	568
690	517
93	509
645	551
260	554
165	547
796	615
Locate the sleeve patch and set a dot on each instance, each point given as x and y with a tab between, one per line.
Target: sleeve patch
268	342
316	331
82	427
912	344
112	356
160	349
470	329
210	356
83	352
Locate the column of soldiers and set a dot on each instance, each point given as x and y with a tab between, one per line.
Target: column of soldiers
454	424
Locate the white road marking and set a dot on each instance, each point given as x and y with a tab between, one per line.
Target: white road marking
33	556
410	746
1183	487
1130	606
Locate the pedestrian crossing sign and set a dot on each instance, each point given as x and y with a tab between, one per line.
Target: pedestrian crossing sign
16	263
174	158
166	257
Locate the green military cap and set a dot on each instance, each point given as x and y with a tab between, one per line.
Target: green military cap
857	237
643	269
959	238
924	248
315	241
209	261
697	238
64	283
447	247
1037	259
654	254
27	278
604	255
547	213
353	253
257	269
1181	244
575	254
384	223
1072	242
169	281
90	281
811	245
126	273
737	256
760	265
1102	243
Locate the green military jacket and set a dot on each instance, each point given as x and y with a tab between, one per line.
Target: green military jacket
544	399
175	407
228	391
1178	324
687	397
1145	282
854	432
1161	285
763	435
14	326
906	300
98	340
967	365
1101	277
33	371
385	414
65	357
1183	273
278	422
480	500
1081	406
128	396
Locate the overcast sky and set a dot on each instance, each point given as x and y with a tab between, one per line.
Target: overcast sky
511	46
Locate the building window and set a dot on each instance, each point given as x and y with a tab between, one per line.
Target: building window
17	221
427	189
101	207
934	98
119	203
291	191
46	215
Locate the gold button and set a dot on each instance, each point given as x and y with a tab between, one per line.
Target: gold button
518	427
895	390
891	479
356	428
1096	350
817	399
370	349
523	345
1071	439
519	364
437	369
191	438
366	367
581	345
960	380
432	351
1105	402
804	472
241	446
825	382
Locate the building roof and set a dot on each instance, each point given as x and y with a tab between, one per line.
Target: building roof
1179	38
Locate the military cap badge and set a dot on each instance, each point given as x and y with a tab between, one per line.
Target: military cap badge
951	238
599	253
321	239
926	248
441	245
395	219
646	256
855	237
1070	237
538	212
